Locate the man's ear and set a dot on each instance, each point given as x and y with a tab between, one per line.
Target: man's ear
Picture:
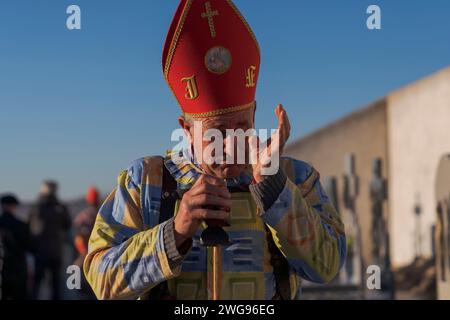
185	125
181	121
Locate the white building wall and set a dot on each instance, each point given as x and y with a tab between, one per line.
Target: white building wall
418	135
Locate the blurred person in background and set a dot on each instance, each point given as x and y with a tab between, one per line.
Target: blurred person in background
49	223
83	225
2	254
16	240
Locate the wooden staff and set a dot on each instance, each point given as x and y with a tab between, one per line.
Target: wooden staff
217	268
215	237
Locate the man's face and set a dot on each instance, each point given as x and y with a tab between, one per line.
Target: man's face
236	120
10	208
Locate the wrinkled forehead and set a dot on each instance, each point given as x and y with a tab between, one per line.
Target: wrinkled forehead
231	120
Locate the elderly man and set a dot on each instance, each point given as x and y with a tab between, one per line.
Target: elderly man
282	227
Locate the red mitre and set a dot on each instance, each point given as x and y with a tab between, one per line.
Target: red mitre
211	58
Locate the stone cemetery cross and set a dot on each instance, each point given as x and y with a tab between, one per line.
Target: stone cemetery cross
351	191
378	194
417	229
330	186
380	234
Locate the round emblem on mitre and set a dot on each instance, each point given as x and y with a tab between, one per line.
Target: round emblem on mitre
218	60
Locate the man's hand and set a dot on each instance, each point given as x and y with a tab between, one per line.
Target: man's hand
274	146
208	199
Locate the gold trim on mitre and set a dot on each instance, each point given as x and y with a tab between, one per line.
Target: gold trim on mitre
173	46
221	111
252	34
174	42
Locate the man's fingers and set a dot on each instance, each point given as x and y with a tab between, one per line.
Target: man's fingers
272	149
209	214
208	200
214	181
282	117
253	145
284	126
278	110
206	188
288	122
204	178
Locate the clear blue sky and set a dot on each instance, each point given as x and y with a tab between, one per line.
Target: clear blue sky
79	106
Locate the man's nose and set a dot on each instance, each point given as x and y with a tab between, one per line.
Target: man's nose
229	145
236	149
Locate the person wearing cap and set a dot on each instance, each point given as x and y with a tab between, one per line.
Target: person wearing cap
211	62
83	225
16	239
49	224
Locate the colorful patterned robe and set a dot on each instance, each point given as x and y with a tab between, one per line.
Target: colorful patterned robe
128	254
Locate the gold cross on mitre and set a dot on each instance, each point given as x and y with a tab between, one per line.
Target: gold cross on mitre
210	14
